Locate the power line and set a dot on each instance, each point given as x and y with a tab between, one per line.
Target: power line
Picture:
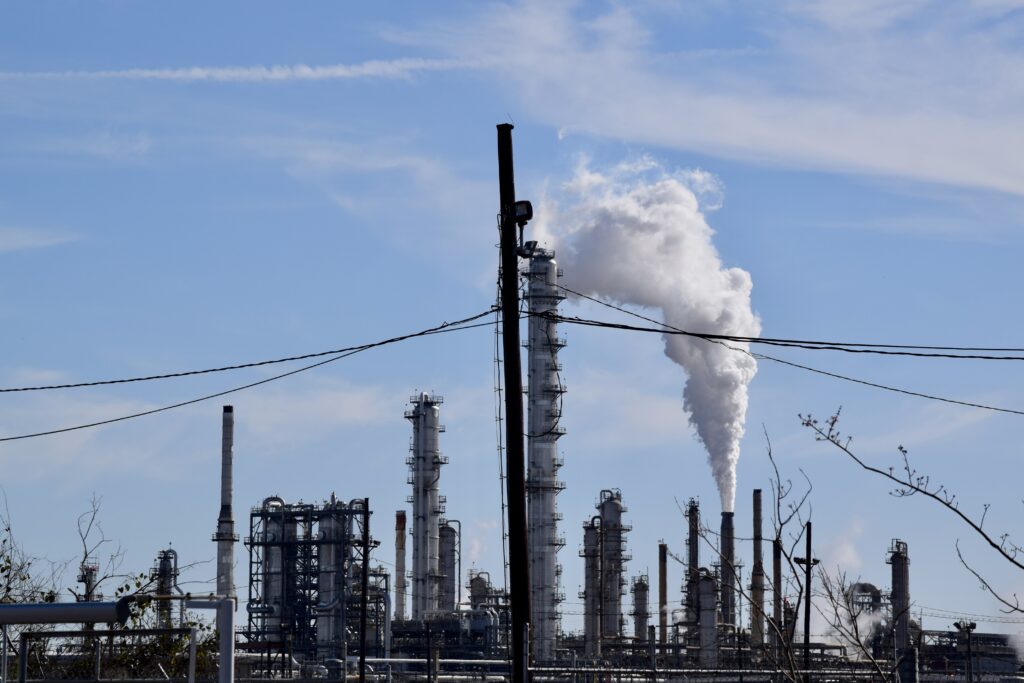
810	345
190	373
438	329
719	339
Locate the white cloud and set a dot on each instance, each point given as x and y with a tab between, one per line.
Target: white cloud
915	91
19	239
396	68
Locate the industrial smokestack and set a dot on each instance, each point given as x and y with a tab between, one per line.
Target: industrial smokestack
757	582
727	552
900	561
692	560
663	593
225	536
777	631
400	588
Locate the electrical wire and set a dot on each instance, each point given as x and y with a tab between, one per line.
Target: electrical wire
719	339
811	345
463	324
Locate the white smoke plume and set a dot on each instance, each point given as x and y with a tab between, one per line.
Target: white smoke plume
636	235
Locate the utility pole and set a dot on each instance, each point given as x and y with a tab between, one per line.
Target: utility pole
808	563
514	214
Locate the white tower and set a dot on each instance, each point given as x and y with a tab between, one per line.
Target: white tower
427	504
545	391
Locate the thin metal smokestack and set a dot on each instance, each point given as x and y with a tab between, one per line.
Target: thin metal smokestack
692	560
778	635
225	536
400	587
757	581
727	551
663	593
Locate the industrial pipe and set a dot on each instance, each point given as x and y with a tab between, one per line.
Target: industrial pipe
66	612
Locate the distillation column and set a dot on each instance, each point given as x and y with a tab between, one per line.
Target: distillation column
448	568
592	587
641	610
613	559
427	504
225	536
544	407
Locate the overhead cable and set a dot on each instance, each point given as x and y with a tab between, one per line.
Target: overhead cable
463	324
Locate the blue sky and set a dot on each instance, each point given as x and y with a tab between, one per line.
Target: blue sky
185	185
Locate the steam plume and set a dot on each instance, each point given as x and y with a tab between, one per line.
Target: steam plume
636	235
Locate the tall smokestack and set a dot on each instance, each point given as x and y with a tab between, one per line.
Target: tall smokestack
663	593
400	588
900	561
777	631
692	560
225	536
727	550
757	582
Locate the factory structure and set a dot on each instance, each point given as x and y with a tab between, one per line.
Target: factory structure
319	604
317	599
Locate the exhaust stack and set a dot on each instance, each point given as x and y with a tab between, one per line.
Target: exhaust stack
225	536
663	593
727	552
757	582
400	565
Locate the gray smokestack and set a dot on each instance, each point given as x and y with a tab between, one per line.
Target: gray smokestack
400	586
727	550
692	560
757	581
900	561
225	536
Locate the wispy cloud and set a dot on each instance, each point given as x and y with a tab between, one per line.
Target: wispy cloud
395	68
920	91
19	239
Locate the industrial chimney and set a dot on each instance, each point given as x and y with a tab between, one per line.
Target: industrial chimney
900	561
400	588
692	560
757	582
225	536
727	552
662	593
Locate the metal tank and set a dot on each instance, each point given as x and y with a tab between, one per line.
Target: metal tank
425	464
641	609
448	568
591	595
613	559
400	587
544	410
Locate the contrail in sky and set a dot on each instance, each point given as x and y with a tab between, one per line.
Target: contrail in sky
395	68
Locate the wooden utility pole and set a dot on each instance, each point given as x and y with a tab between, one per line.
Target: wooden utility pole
515	475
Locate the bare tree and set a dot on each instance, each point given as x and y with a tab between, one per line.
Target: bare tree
908	481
